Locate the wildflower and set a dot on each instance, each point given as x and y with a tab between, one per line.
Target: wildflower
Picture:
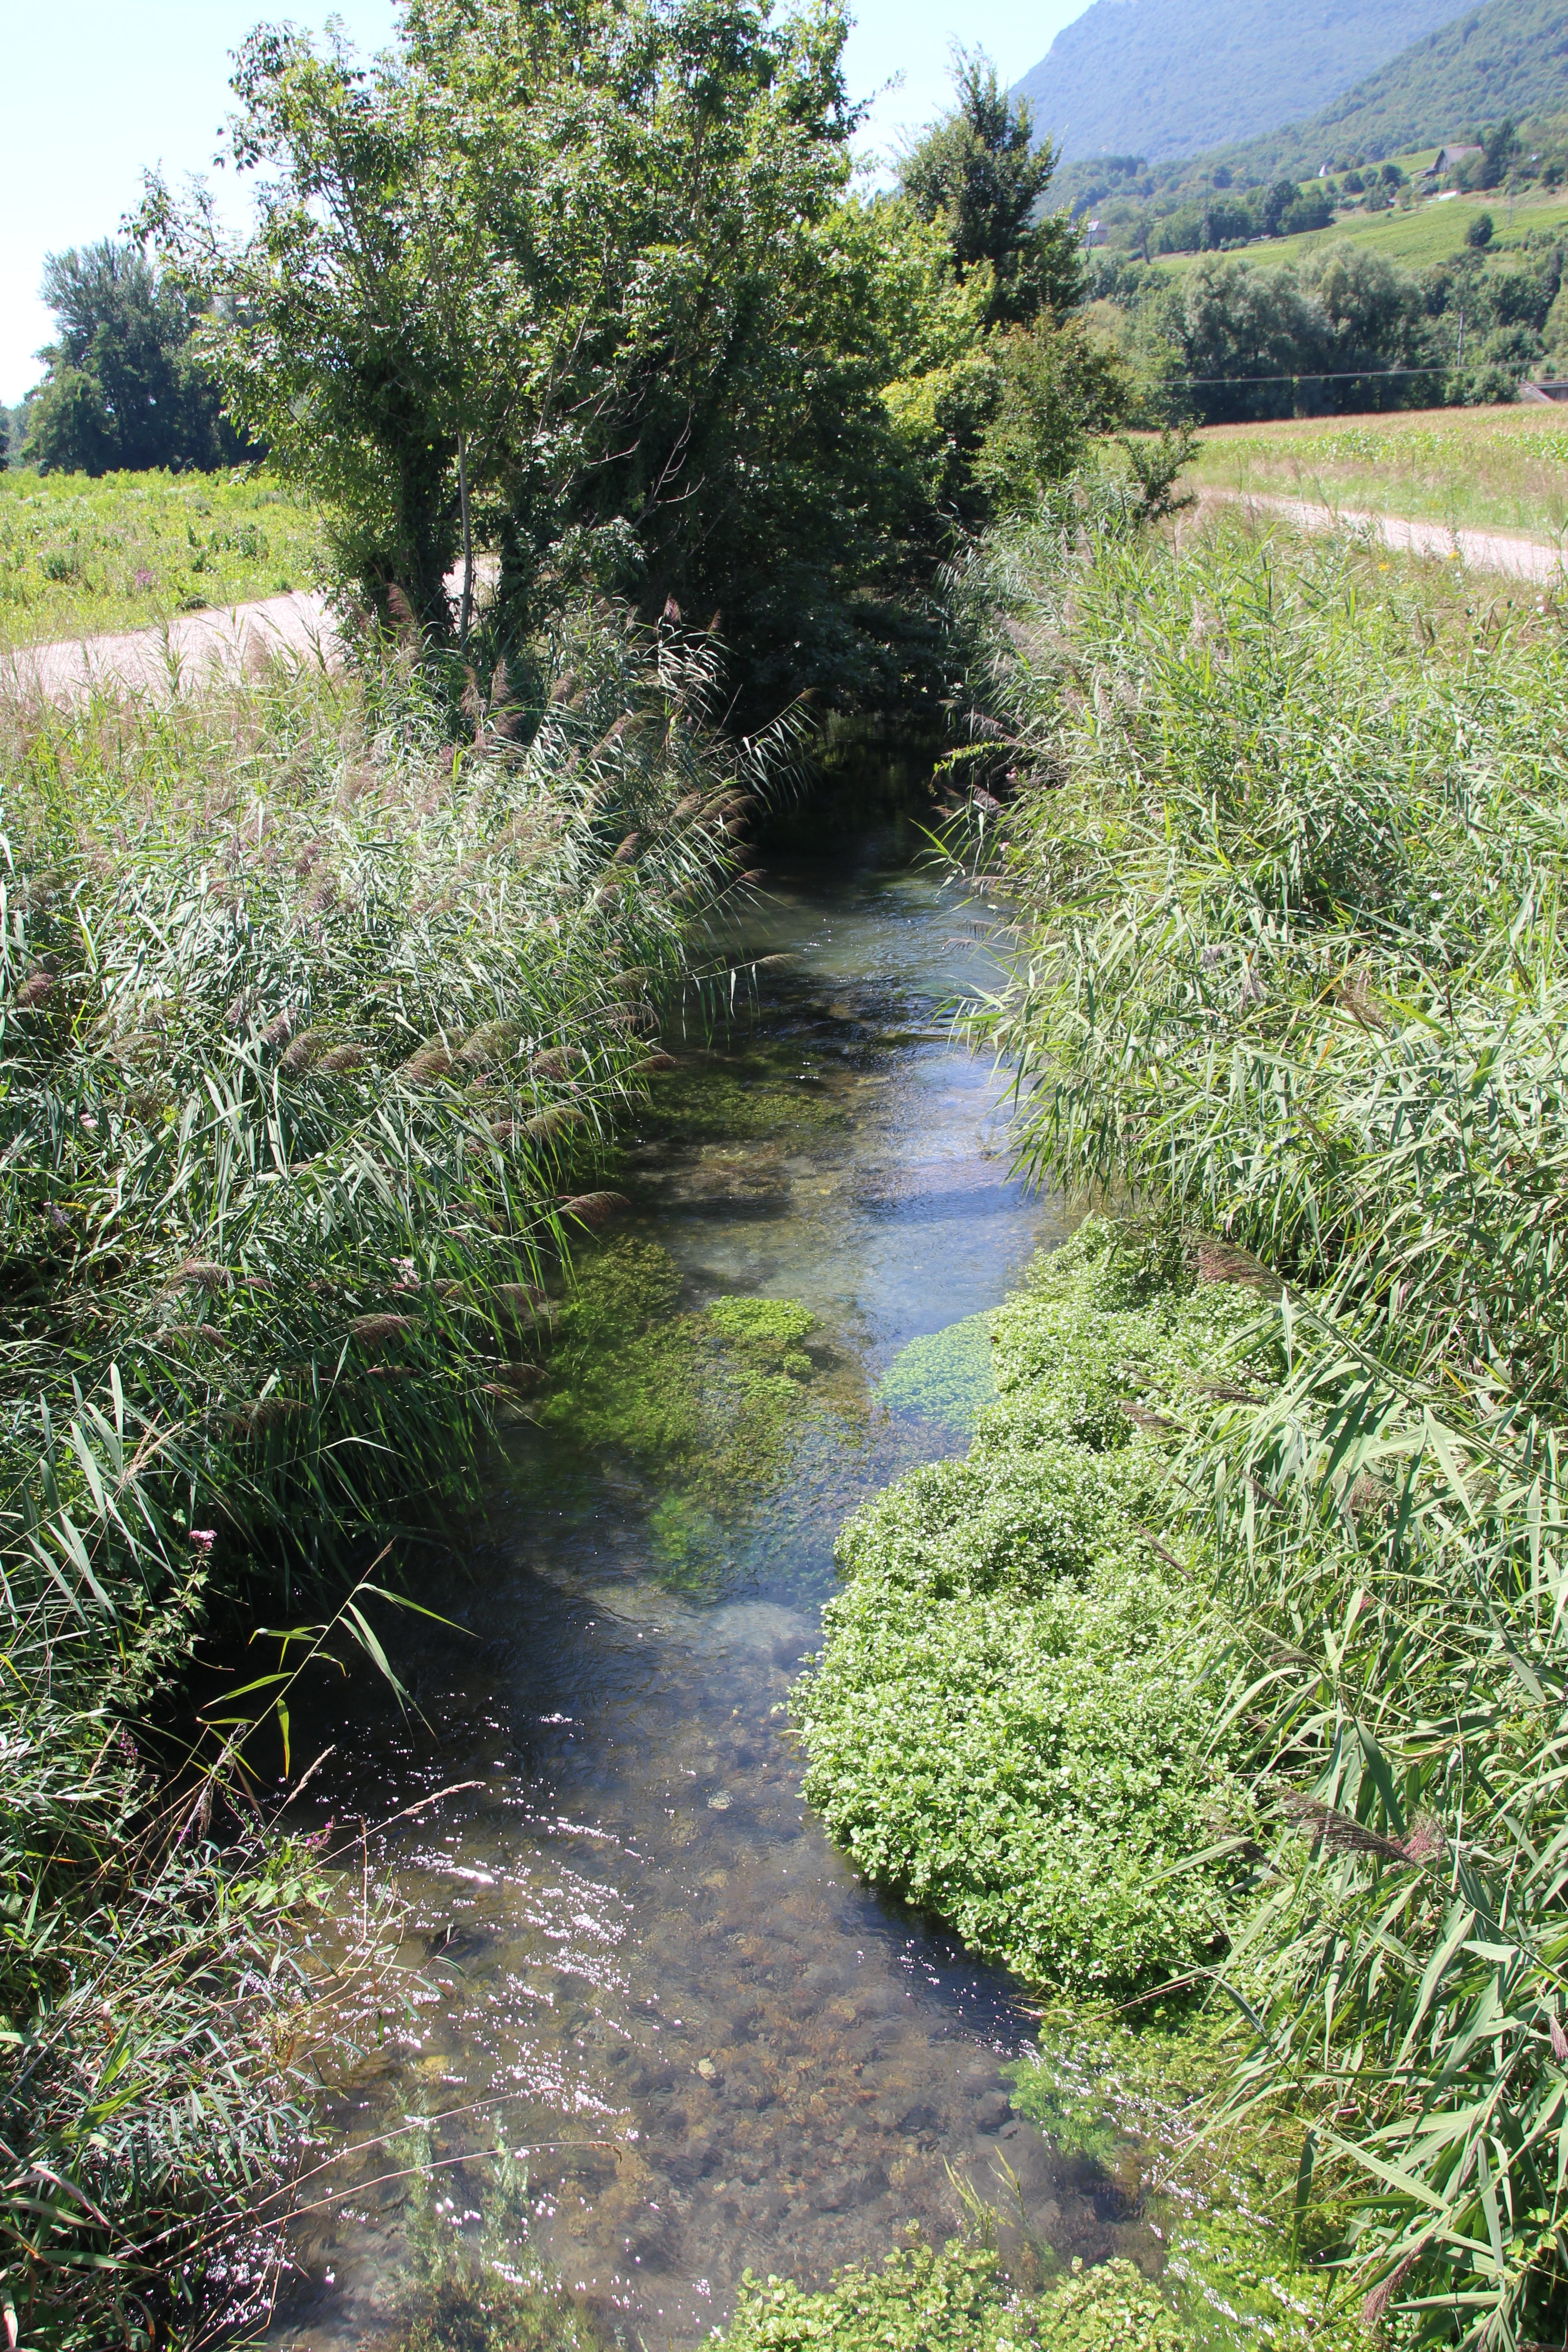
143	577
203	1538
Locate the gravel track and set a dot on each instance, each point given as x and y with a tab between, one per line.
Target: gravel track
1484	551
198	646
192	648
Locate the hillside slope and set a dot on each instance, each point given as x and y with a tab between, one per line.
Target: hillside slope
1506	58
1170	78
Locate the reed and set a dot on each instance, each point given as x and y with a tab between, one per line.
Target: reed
1284	835
313	1024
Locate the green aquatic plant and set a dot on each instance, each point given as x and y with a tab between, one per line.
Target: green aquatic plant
754	1099
1249	2256
955	2299
703	1403
1008	1723
471	2288
944	1377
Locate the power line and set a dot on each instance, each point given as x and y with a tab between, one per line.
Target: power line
1314	376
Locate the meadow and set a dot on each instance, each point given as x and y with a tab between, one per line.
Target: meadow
79	555
1432	230
1491	469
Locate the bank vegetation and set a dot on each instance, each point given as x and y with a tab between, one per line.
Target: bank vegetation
1234	1663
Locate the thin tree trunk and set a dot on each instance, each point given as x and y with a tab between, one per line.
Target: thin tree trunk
467	605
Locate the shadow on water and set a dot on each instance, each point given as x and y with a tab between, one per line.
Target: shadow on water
632	1936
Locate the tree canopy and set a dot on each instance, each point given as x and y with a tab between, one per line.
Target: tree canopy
123	387
592	288
979	171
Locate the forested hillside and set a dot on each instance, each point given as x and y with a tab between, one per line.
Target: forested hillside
1507	59
1145	75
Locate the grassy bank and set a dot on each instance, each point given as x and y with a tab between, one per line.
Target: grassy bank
79	555
1284	835
1486	468
314	1027
1429	232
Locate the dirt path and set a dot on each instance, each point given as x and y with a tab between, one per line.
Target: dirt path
191	648
198	644
1485	550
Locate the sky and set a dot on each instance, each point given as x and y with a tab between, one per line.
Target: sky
147	85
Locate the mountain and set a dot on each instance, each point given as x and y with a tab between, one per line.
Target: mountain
1509	57
1168	77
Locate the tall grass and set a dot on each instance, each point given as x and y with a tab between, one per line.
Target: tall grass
312	1022
1285	838
1482	468
129	550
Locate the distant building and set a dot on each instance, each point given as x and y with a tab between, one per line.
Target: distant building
1093	234
1448	160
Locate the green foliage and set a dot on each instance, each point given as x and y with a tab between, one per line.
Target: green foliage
1290	971
594	299
1004	1725
955	2301
944	1377
311	1025
130	550
980	174
1260	343
1057	389
704	1403
602	301
123	390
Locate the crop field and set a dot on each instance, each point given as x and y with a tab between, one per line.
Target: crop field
1432	231
1497	469
128	550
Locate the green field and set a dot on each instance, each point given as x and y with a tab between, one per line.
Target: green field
1486	468
1432	231
127	550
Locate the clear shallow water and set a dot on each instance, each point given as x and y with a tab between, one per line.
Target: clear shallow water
635	1939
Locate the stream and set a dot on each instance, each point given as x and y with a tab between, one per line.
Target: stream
703	2045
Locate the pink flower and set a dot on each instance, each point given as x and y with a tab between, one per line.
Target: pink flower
143	577
204	1538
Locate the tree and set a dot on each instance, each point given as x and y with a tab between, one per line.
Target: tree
979	172
1058	388
1499	146
123	388
1276	204
587	276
